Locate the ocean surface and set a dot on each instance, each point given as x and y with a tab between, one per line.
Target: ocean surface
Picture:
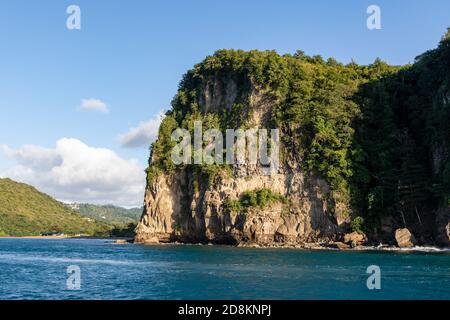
38	269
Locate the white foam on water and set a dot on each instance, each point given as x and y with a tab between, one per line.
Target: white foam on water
29	258
426	249
416	249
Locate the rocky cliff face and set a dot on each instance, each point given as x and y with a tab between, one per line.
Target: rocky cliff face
174	211
363	149
181	207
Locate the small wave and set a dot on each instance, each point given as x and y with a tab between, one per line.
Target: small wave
397	249
416	249
427	249
27	258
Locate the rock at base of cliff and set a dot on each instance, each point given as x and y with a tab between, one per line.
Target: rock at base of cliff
355	239
338	245
152	240
444	236
405	238
122	241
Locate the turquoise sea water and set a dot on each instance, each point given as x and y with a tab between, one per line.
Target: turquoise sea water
37	269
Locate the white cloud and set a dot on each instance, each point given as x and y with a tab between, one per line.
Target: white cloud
33	156
94	104
76	172
142	135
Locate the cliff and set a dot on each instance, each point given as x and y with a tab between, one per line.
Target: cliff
353	156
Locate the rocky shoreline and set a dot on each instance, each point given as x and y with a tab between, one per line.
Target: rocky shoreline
338	246
405	241
355	241
307	246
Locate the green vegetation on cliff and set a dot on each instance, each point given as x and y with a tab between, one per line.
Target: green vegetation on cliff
24	211
260	198
404	133
315	107
378	134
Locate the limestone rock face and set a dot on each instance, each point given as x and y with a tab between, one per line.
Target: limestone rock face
181	207
404	238
175	211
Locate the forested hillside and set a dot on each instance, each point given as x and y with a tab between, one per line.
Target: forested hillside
108	213
24	211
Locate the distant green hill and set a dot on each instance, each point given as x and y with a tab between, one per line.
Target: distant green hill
24	211
109	214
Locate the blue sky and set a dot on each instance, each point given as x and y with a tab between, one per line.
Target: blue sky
131	55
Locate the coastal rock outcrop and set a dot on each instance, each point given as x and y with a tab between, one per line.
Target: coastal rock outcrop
404	238
355	239
185	206
350	159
